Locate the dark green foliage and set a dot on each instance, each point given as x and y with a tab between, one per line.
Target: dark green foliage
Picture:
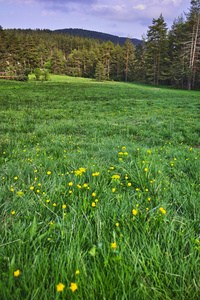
165	57
100	73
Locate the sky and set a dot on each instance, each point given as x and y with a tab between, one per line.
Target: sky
125	18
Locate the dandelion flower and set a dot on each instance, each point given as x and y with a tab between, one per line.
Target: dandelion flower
54	204
93	194
60	287
93	204
32	188
13	212
48	173
113	190
162	210
16	178
146	169
77	272
134	212
113	245
129	184
70	183
64	206
117	224
73	287
115	177
19	193
16	273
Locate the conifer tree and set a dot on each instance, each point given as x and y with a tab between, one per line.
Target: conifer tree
157	53
192	44
100	73
128	56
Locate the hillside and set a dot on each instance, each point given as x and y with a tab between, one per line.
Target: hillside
96	35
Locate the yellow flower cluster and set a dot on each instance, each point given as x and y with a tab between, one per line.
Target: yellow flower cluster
162	210
115	177
95	174
134	212
80	171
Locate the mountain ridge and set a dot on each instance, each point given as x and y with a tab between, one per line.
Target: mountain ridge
97	35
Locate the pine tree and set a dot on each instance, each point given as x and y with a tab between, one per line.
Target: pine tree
192	45
128	56
2	50
178	61
157	53
117	62
100	73
140	69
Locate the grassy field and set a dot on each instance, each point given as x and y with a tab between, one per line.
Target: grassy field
99	191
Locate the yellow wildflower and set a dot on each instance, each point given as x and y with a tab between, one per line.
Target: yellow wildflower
60	287
16	273
73	287
134	212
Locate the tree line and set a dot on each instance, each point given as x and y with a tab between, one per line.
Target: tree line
164	56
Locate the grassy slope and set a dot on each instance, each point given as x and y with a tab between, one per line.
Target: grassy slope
67	124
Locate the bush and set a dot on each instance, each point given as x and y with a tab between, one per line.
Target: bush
21	77
37	72
27	71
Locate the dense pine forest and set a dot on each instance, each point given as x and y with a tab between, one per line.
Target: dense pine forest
164	56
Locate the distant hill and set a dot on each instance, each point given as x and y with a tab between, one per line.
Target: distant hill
97	35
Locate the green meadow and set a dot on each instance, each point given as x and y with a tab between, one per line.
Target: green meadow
99	191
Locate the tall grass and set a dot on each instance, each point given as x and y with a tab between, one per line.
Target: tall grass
99	187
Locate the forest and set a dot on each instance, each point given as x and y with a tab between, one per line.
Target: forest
164	56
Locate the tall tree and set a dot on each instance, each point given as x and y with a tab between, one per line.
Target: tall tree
117	62
128	56
192	45
157	53
140	69
178	62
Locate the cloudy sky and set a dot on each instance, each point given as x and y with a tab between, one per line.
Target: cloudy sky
128	18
